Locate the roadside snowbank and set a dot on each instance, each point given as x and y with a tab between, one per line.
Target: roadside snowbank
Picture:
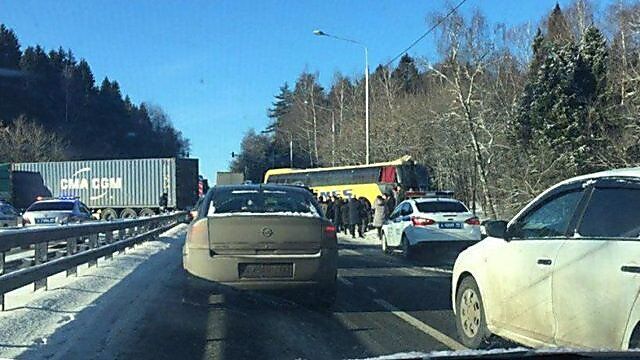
25	326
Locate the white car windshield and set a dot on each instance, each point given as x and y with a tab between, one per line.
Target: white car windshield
51	206
440	207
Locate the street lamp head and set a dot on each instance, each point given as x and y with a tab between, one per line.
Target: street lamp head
319	33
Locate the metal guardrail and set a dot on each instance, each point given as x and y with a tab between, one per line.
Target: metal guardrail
85	243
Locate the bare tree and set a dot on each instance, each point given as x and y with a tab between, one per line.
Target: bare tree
25	141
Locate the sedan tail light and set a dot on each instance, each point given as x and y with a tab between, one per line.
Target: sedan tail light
472	221
330	231
420	221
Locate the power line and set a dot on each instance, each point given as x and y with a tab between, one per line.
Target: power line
426	33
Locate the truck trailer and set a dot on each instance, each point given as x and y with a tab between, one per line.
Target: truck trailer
124	188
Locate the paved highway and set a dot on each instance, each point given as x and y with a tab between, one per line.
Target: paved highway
385	305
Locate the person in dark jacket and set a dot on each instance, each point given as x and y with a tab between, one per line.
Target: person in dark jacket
390	203
365	216
344	211
337	214
355	217
329	213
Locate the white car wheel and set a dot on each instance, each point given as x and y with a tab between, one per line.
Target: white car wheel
407	249
470	317
385	248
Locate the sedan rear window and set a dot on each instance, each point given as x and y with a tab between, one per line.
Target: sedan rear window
250	201
441	206
51	206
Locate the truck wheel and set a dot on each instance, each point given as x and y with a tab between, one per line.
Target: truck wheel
128	213
109	214
146	212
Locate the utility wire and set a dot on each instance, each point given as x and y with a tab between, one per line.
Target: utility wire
426	33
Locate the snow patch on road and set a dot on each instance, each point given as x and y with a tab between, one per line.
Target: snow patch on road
370	238
30	325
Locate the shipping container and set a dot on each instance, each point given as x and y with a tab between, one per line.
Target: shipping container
136	184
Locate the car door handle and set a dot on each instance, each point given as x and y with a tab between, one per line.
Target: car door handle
544	261
630	269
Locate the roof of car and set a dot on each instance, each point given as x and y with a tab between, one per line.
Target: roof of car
633	172
258	187
439	199
624	172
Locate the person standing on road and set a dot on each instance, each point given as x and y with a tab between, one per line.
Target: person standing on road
323	204
337	214
365	215
344	211
379	214
399	194
329	213
390	204
355	215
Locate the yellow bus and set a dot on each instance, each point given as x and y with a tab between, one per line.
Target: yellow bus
367	181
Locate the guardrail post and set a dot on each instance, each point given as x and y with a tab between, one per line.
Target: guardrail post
72	248
108	237
1	272
122	234
41	253
93	243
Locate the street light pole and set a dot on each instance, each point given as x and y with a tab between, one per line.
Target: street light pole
366	100
366	84
291	150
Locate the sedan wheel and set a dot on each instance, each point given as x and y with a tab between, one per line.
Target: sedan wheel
470	319
385	247
407	249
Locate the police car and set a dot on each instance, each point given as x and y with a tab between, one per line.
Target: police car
59	211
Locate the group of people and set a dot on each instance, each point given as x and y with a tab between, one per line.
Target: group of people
353	215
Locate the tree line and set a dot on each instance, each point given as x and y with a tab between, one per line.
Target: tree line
52	109
505	112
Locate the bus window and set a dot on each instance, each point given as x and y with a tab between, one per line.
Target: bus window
388	174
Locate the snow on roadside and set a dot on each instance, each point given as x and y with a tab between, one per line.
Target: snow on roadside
23	327
370	238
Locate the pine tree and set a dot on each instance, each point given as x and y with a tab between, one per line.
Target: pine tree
407	74
280	107
11	81
9	49
557	28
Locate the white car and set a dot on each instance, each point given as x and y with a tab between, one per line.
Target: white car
565	271
415	222
56	212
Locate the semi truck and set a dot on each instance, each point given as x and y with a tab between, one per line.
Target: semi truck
124	188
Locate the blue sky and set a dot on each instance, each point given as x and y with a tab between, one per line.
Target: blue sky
214	66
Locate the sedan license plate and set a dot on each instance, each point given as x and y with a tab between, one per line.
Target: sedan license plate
265	271
450	225
45	221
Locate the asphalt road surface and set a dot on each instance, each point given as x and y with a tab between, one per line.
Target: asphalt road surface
385	305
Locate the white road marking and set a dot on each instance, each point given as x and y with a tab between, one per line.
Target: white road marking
350	252
444	339
435	269
345	281
373	290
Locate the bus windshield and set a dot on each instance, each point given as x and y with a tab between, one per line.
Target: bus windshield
414	177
